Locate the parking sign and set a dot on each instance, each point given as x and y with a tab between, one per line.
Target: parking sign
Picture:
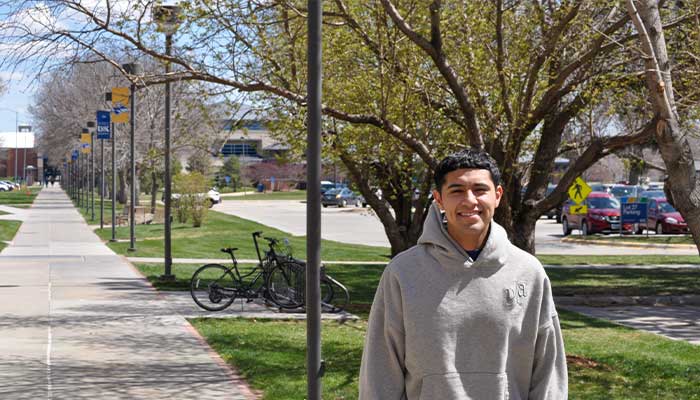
633	213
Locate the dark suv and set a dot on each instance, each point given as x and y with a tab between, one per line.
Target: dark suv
603	215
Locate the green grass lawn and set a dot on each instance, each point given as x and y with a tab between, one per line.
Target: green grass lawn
222	230
19	196
618	260
87	214
291	195
8	229
624	281
362	281
606	361
652	238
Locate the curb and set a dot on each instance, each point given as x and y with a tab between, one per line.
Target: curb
608	301
630	244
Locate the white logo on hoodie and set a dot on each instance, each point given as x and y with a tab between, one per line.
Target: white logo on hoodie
516	294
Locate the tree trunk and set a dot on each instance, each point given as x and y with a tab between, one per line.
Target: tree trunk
154	190
137	183
121	193
683	182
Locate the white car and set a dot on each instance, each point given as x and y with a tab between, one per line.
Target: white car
213	195
6	186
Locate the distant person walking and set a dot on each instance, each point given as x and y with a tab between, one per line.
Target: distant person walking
53	179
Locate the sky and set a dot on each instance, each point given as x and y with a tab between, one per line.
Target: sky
17	98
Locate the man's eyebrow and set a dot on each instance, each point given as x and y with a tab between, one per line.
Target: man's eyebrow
478	185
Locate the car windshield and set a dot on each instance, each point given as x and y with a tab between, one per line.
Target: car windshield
653	194
603	202
621	191
333	191
667	208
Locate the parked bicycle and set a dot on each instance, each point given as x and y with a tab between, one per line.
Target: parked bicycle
278	278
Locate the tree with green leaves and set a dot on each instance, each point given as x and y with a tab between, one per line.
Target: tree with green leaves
231	168
406	83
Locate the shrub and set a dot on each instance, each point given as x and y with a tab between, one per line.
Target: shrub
193	202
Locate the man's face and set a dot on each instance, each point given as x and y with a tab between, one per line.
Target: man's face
469	199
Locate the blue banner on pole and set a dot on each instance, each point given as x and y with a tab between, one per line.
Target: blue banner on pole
74	155
633	213
103	121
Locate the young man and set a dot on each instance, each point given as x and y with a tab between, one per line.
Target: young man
464	314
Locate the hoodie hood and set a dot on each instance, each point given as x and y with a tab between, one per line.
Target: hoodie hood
494	252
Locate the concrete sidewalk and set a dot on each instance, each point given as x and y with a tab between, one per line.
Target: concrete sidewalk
78	322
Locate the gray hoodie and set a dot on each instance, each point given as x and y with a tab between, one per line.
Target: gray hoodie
443	326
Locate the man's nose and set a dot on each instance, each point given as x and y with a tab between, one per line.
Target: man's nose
469	197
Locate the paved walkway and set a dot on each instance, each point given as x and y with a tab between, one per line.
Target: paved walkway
678	323
78	322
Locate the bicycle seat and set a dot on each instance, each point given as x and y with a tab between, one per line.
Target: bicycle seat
229	250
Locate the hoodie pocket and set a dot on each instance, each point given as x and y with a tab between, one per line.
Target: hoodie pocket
465	386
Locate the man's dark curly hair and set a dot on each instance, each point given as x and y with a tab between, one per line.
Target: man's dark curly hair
468	158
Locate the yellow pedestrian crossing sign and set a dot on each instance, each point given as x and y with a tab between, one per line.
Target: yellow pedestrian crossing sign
578	209
579	190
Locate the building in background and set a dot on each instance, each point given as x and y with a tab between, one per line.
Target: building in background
20	146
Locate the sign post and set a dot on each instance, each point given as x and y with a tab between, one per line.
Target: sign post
632	213
103	133
578	191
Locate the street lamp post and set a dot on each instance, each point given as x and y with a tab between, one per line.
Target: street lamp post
91	124
167	18
314	362
113	133
132	69
16	141
86	174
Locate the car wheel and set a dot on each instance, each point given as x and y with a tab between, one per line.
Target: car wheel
358	203
659	228
565	226
550	216
558	216
325	205
343	203
211	203
584	228
638	229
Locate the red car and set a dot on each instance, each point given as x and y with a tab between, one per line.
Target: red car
663	218
603	215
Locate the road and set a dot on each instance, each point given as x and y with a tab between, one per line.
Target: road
361	226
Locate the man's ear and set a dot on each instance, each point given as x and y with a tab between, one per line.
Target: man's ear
499	194
438	199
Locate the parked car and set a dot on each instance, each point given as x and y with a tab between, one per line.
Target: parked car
651	194
213	195
341	198
663	218
603	215
556	211
6	186
326	185
622	191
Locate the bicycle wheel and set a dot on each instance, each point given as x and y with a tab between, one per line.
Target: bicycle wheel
213	287
285	285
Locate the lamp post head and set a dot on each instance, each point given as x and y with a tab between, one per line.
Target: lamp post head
133	68
168	17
